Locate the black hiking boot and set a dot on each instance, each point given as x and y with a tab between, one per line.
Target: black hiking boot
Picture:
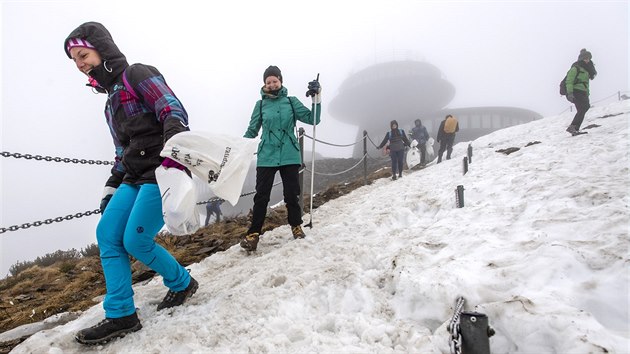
176	298
297	232
108	329
249	242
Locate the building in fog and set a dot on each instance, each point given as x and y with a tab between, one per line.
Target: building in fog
407	90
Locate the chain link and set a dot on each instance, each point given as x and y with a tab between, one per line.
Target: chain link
17	155
331	144
455	340
339	173
49	221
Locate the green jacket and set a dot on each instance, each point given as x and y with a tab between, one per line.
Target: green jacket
577	79
277	115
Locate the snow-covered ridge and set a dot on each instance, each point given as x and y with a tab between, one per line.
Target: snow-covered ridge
541	247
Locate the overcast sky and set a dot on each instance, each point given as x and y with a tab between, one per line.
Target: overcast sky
495	53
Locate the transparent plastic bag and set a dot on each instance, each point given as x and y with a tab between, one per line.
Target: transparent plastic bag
179	201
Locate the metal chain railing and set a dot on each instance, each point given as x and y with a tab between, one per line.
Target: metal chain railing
92	212
17	155
97	162
618	94
49	221
339	173
455	339
370	139
621	95
331	144
242	195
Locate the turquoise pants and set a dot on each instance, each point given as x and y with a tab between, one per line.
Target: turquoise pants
128	226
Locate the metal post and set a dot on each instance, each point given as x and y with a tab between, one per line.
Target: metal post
465	161
459	196
365	181
470	153
618	95
475	333
301	199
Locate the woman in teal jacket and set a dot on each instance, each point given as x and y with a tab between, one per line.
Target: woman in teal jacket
577	81
276	113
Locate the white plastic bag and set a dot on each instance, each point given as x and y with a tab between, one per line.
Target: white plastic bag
413	157
430	154
179	201
221	161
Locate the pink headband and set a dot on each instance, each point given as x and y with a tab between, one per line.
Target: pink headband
78	42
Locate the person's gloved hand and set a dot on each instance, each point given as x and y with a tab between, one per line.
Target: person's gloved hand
570	97
168	163
314	90
107	195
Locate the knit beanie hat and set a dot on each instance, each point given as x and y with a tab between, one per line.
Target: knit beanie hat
78	42
272	71
585	54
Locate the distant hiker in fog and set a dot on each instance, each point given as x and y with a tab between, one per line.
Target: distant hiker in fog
446	136
142	113
276	113
420	134
577	88
213	208
397	141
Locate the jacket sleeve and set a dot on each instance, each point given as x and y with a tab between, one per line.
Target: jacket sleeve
157	96
405	140
570	81
120	141
304	114
440	131
255	121
384	141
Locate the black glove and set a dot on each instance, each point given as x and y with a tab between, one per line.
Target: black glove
313	88
570	97
107	195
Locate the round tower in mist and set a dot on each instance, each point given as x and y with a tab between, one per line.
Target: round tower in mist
409	90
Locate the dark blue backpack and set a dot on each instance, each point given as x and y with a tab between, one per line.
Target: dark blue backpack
402	132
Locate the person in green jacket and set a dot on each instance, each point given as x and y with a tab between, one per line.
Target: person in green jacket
277	112
577	82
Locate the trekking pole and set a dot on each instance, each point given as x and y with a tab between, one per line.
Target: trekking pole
310	210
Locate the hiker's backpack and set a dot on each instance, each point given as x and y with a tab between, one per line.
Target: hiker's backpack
402	132
563	83
450	125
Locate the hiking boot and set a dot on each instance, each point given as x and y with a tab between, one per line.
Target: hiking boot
176	298
297	232
393	177
107	329
249	242
571	129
